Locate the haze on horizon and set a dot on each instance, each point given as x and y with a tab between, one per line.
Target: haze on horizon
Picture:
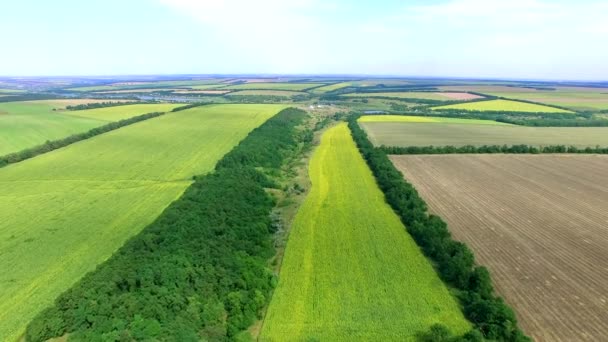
518	39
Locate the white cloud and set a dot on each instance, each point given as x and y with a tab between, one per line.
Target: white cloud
496	38
516	38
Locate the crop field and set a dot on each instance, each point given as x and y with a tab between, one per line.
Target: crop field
427	119
117	113
504	105
423	95
30	123
272	86
332	87
578	98
283	93
66	211
539	223
350	270
463	133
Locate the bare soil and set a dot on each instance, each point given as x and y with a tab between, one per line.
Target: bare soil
539	223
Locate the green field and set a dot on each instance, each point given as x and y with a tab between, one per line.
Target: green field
503	105
332	87
66	211
282	93
272	86
117	113
426	119
578	98
460	134
30	123
350	271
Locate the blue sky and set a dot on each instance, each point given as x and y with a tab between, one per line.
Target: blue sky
530	39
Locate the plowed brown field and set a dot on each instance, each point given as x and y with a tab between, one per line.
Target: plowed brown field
539	223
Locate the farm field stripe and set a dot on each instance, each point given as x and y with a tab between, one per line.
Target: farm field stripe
504	105
68	210
350	270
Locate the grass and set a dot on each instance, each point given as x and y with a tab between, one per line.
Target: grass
283	93
30	123
426	119
350	270
459	134
504	105
66	211
272	86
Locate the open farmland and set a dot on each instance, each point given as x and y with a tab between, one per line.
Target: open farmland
578	98
350	270
421	95
282	93
273	86
29	123
463	133
503	105
146	85
116	113
539	223
66	211
332	87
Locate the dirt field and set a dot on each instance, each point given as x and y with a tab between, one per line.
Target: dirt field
539	223
460	96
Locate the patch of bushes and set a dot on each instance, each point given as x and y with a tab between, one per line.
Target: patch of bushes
453	260
199	271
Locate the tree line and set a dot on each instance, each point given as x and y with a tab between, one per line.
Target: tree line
454	261
199	271
515	149
103	105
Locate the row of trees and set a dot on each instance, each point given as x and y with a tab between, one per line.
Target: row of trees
515	149
454	261
59	143
102	105
199	272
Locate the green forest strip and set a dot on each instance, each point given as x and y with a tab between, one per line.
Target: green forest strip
199	271
454	261
59	143
470	149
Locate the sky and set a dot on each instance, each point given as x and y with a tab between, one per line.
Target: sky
515	39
